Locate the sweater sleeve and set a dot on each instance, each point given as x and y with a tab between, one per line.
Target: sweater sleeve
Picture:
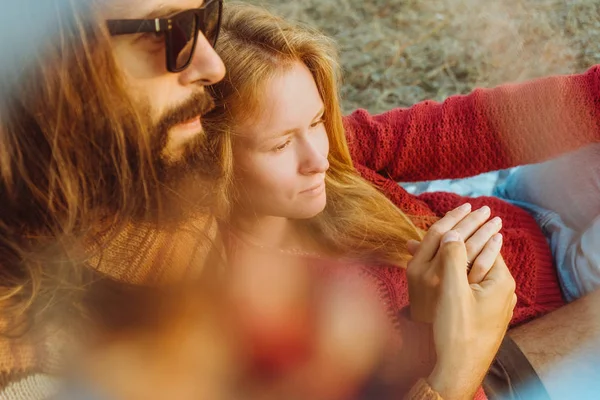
487	130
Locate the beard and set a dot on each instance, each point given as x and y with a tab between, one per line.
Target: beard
183	185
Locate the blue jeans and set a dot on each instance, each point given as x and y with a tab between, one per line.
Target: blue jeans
563	195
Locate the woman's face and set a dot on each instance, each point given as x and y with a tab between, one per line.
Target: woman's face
281	154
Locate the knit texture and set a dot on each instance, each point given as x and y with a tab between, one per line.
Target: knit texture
140	254
487	130
30	387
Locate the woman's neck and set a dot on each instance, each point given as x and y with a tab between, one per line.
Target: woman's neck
279	233
267	231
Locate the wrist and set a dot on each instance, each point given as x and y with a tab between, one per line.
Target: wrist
450	384
438	382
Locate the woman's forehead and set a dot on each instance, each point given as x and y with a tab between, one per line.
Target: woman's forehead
288	100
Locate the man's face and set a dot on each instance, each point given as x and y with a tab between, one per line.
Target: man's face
175	101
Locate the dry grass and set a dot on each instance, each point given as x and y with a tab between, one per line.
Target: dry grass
398	52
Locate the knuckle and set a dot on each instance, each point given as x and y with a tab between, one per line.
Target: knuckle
454	213
429	284
412	273
490	227
415	274
512	285
454	245
471	247
451	250
510	316
480	265
431	279
436	231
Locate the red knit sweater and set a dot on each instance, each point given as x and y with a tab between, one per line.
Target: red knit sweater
487	130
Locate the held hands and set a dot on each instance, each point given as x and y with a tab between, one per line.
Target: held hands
470	310
483	244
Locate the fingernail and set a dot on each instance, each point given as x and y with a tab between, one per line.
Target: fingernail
484	210
497	220
465	207
451	236
497	238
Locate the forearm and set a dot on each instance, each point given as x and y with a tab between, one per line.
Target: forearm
489	129
564	347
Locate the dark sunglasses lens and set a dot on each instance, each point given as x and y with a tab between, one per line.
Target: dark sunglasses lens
183	38
212	18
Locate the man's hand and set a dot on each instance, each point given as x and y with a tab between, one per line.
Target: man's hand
470	321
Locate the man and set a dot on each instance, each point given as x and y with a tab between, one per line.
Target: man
101	119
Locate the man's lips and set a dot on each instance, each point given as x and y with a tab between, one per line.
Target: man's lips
186	129
181	134
191	123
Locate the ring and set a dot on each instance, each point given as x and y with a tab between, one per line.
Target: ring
469	266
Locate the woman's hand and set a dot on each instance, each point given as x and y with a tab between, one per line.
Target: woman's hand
470	321
424	270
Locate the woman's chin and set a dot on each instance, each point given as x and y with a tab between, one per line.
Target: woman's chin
312	211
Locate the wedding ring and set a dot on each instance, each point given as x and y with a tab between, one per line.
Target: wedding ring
469	266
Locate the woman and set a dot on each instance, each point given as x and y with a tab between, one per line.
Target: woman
401	145
466	135
288	177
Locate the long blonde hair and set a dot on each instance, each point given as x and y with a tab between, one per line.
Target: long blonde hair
358	221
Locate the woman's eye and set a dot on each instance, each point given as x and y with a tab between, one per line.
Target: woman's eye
282	146
319	122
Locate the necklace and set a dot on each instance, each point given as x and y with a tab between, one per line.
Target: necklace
289	251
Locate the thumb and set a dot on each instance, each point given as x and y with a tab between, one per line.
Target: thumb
453	253
412	246
498	273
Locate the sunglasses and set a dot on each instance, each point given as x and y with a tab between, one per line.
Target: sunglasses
180	31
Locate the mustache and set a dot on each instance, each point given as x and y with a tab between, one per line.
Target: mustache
199	104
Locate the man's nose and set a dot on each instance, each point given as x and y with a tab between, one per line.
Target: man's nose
206	67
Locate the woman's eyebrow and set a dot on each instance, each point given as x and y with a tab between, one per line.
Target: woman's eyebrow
320	113
293	130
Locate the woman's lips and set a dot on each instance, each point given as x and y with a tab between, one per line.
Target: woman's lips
314	190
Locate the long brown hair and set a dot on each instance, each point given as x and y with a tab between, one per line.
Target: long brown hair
358	220
74	156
